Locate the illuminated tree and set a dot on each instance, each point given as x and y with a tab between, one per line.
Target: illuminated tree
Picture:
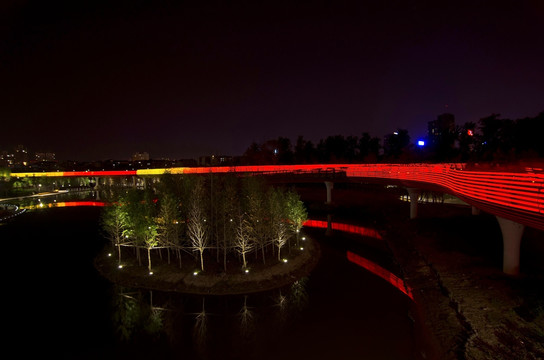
229	205
197	227
256	209
168	222
278	214
114	222
295	211
150	241
141	227
243	242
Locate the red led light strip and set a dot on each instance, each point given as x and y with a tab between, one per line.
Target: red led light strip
514	195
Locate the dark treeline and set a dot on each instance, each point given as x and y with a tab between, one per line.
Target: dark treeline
491	139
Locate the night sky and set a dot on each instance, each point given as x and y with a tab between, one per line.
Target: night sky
93	80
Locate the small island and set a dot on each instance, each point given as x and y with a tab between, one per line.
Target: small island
205	235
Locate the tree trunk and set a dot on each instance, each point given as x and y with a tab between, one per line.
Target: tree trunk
279	252
262	251
201	260
244	257
225	258
149	259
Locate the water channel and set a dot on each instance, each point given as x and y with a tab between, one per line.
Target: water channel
58	304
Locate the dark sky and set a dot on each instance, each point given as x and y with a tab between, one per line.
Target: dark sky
93	80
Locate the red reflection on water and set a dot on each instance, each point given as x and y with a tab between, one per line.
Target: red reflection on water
81	203
353	229
381	272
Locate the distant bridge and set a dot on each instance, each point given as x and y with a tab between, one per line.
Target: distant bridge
516	198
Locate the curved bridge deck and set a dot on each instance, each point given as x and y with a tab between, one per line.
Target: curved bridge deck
517	196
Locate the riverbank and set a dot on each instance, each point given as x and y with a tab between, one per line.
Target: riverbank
465	307
453	261
214	281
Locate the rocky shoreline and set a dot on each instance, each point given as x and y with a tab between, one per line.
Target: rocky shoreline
470	309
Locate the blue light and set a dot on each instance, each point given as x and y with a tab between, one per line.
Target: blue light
420	143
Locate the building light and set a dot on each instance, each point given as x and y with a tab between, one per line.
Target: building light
420	143
470	132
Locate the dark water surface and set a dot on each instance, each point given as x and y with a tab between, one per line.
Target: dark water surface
58	305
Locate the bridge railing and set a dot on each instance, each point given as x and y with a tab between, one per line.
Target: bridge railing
522	191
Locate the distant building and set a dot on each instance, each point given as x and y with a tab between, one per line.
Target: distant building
21	155
441	129
442	141
144	156
215	160
45	156
7	159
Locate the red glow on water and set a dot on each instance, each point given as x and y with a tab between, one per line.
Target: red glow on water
353	229
82	203
381	272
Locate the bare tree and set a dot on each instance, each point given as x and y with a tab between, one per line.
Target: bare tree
256	208
197	227
243	242
229	207
169	222
278	226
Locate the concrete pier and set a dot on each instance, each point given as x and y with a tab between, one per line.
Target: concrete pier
330	186
511	237
328	232
414	198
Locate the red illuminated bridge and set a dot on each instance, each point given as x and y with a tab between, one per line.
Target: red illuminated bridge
516	197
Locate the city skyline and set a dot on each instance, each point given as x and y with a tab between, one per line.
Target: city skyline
93	81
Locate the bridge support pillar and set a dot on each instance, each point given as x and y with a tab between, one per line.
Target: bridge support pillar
511	239
414	197
329	185
328	232
475	210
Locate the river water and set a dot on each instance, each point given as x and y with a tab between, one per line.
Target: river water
58	305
